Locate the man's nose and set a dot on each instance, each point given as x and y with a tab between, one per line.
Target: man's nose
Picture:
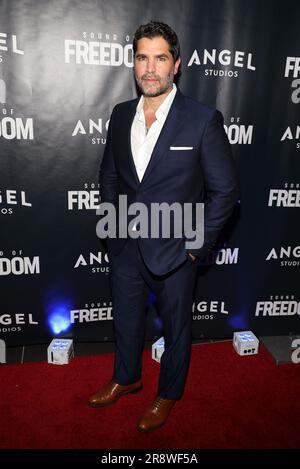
151	65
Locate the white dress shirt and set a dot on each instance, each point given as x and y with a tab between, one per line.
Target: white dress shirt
143	140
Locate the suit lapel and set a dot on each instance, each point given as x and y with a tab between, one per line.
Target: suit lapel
127	132
170	129
167	134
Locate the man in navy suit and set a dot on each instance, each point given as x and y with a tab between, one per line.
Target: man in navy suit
161	148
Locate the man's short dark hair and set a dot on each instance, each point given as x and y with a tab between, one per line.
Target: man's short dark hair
157	29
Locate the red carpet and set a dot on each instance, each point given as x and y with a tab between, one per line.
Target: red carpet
230	402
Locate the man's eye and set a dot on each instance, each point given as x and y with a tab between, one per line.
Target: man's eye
161	59
140	58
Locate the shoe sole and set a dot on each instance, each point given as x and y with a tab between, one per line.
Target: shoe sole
105	404
148	430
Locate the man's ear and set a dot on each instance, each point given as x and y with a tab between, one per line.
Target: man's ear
176	65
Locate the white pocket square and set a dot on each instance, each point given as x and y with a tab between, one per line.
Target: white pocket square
181	148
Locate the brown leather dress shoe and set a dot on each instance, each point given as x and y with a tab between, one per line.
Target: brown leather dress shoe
111	392
156	414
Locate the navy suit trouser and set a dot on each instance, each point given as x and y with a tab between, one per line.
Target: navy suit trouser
131	282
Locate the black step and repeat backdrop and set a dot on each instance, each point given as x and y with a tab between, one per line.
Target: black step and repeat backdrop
64	64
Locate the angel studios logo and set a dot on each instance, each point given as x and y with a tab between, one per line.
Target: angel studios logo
15	322
110	49
292	134
96	263
96	129
207	310
285	256
12	199
221	62
9	43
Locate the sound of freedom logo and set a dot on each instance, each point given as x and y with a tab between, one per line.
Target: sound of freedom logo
99	49
12	127
238	133
295	357
16	128
278	306
84	199
221	256
93	312
287	197
18	265
292	69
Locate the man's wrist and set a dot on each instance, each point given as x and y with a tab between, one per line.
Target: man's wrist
192	256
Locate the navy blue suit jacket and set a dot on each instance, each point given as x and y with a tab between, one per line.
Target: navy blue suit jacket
204	174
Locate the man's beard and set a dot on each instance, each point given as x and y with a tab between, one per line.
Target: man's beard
159	89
